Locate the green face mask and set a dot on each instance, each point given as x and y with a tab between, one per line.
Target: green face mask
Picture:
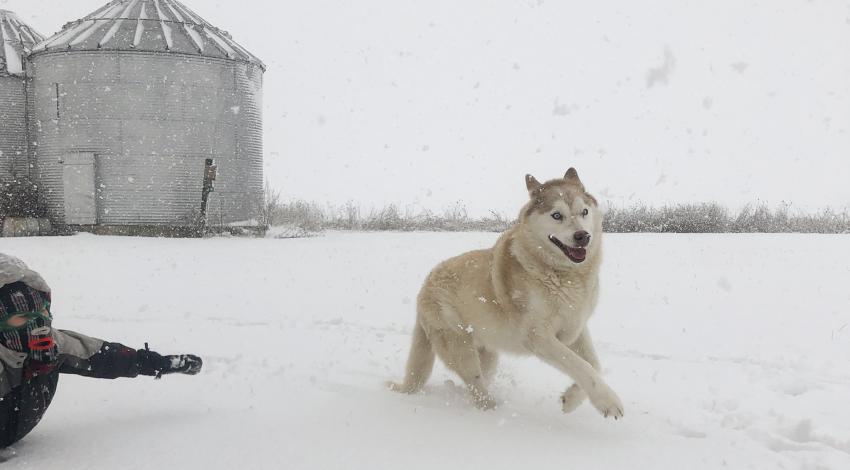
18	320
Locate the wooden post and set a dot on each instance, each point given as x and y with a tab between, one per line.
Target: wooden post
210	173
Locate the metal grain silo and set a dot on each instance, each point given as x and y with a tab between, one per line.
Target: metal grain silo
126	106
16	39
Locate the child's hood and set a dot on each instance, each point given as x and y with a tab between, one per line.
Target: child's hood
14	270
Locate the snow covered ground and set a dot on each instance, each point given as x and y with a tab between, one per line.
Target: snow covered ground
728	351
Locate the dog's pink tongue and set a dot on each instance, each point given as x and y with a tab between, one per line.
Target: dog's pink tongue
577	253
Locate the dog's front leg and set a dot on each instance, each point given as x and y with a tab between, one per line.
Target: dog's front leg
575	395
555	353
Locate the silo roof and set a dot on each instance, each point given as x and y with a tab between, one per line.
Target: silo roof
165	26
17	39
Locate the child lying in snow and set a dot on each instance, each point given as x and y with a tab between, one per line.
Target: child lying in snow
33	354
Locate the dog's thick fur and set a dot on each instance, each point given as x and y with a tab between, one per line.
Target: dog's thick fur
525	295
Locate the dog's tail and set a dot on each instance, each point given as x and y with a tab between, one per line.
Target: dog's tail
419	363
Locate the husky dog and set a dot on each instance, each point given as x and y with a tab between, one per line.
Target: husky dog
532	293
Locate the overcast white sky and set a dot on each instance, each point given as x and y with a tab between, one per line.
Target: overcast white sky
425	103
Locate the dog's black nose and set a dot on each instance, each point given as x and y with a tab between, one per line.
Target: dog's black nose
582	238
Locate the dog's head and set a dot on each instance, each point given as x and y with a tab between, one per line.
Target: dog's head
564	219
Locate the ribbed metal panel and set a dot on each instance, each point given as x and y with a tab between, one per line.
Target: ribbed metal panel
165	26
16	39
13	129
243	193
151	119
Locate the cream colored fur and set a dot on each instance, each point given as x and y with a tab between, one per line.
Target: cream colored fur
522	296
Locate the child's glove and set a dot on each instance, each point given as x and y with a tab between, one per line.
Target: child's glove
152	363
188	364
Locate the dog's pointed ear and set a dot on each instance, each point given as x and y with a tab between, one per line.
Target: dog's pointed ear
532	184
572	177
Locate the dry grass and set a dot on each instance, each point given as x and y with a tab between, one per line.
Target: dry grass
306	217
714	218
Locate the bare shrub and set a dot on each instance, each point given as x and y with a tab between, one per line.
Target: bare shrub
307	215
269	210
20	197
388	218
694	218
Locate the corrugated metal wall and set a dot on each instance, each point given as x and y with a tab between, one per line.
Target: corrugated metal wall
151	120
13	129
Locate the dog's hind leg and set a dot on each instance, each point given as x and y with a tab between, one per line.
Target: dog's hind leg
420	362
461	356
575	395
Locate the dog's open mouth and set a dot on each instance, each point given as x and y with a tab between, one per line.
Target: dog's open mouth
576	255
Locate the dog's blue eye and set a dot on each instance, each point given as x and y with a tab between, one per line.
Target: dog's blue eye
556	216
584	213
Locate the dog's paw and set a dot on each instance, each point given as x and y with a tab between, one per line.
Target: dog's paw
572	398
608	403
484	401
397	387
